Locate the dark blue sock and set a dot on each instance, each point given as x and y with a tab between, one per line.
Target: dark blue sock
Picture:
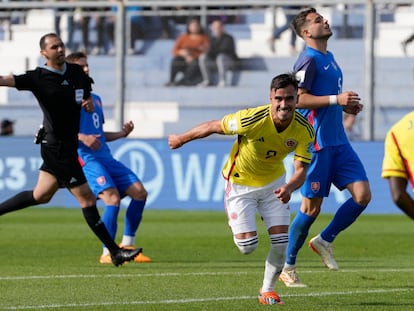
298	232
133	216
346	214
110	219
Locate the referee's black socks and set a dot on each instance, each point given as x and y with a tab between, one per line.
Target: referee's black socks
19	201
94	221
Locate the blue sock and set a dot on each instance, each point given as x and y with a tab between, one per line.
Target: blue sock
298	232
133	216
110	219
346	214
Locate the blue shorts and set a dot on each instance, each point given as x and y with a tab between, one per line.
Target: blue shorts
338	165
110	173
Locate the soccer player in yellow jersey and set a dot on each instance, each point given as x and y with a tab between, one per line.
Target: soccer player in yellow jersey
255	174
398	164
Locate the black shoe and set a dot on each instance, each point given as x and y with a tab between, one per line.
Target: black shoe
123	255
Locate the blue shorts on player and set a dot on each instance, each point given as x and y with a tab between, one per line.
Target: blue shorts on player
110	173
337	165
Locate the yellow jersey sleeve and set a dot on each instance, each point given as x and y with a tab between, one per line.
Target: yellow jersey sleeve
398	150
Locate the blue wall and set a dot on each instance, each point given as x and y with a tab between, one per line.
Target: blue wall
186	178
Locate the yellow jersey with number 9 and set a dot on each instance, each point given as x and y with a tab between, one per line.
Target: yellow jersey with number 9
256	157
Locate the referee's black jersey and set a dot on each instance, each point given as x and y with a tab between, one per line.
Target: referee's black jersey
59	94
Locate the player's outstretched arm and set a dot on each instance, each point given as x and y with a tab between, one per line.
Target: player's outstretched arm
126	130
200	131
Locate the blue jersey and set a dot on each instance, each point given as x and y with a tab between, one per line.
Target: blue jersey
320	75
101	170
92	124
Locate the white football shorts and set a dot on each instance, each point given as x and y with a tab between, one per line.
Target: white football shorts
243	202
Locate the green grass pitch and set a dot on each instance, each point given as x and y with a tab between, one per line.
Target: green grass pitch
49	261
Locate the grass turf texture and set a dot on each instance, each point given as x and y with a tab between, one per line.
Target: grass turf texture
49	261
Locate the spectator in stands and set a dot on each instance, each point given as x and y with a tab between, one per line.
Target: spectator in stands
7	127
290	12
70	24
187	49
168	22
100	46
398	163
138	28
407	41
221	53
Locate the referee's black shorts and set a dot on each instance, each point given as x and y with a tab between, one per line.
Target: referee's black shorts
61	160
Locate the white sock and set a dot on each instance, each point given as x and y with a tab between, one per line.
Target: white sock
105	251
128	240
275	261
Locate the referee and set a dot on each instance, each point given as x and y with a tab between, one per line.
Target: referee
61	89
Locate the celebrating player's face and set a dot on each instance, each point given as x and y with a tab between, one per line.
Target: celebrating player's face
283	104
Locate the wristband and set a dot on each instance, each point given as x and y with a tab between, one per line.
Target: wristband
333	100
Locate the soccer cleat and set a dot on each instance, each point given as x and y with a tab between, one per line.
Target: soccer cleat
141	258
324	249
290	278
123	255
269	298
105	259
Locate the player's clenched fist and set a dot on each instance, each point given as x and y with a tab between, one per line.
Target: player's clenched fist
174	141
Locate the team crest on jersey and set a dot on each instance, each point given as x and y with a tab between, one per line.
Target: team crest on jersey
291	143
101	180
315	186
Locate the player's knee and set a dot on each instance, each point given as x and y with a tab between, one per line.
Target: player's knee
247	246
110	196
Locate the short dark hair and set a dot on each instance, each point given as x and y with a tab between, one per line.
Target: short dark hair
73	57
284	80
299	21
42	43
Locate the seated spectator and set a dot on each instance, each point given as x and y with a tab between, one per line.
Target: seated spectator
187	49
221	54
7	128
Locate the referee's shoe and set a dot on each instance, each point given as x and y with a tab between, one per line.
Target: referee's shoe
123	255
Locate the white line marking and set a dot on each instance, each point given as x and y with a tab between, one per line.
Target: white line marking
92	276
176	301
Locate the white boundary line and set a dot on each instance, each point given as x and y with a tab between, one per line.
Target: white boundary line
168	274
176	301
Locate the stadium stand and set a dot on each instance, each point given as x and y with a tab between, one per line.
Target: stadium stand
158	110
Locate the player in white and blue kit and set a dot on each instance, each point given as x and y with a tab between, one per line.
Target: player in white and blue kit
109	179
322	101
